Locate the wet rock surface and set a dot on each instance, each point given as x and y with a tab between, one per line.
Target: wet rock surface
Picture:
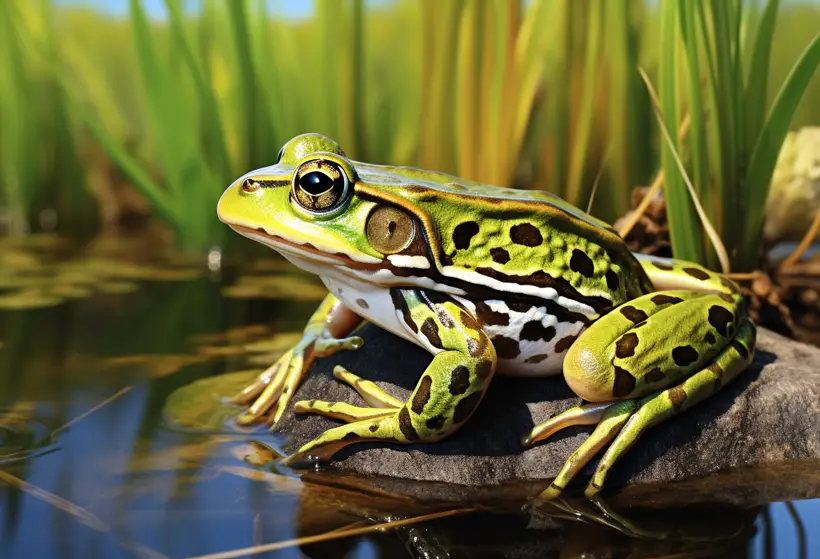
768	418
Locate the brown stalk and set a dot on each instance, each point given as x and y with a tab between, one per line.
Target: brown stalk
653	190
333	535
805	242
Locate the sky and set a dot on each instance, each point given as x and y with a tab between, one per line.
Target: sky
290	8
296	9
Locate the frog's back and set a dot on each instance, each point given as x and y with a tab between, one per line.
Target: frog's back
517	242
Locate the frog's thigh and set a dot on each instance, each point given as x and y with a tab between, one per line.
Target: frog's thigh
650	343
448	392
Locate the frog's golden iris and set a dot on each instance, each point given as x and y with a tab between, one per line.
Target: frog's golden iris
487	279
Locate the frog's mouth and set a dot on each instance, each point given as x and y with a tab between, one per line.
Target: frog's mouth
302	250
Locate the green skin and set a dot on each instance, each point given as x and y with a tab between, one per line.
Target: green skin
488	280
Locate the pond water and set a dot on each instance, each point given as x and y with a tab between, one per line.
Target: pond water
95	462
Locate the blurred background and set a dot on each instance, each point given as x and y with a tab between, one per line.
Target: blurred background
123	121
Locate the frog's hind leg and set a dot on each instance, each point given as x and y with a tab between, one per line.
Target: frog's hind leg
654	355
656	408
624	422
445	397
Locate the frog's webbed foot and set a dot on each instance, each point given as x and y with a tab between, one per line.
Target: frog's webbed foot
623	422
273	389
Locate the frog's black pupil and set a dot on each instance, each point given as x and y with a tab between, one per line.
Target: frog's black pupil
315	183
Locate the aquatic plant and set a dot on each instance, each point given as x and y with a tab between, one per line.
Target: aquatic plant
715	60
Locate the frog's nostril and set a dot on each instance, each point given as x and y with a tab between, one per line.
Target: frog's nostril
250	185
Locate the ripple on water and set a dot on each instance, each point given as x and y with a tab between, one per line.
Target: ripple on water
22	436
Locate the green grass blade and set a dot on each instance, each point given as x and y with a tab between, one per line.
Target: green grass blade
756	83
214	135
684	226
580	148
251	153
698	146
468	86
767	147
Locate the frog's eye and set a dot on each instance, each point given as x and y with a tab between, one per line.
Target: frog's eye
320	186
389	229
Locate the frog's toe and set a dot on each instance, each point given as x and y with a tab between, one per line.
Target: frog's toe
328	346
368	390
323	447
551	492
340	410
587	414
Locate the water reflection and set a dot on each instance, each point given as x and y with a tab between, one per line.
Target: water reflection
91	465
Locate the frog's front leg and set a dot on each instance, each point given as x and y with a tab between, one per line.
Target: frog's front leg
448	392
646	361
324	335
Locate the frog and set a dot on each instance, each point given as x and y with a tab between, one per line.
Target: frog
489	280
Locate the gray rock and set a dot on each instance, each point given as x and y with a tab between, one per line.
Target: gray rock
766	419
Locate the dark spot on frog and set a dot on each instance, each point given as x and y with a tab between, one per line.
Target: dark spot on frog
655	375
662	299
697	273
484	369
436	423
351	437
534	330
362	303
430	331
727	297
624	383
717	369
684	355
489	317
612	280
710	338
500	255
459	380
536	358
526	234
633	314
720	318
678	396
564	343
625	346
464	233
519	306
466	407
581	263
400	304
406	426
728	283
741	349
422	395
506	348
663	266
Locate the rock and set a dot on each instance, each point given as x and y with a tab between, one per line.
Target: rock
768	419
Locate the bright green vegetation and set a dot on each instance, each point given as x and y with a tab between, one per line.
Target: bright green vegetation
545	96
715	65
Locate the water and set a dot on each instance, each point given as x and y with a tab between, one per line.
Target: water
93	463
